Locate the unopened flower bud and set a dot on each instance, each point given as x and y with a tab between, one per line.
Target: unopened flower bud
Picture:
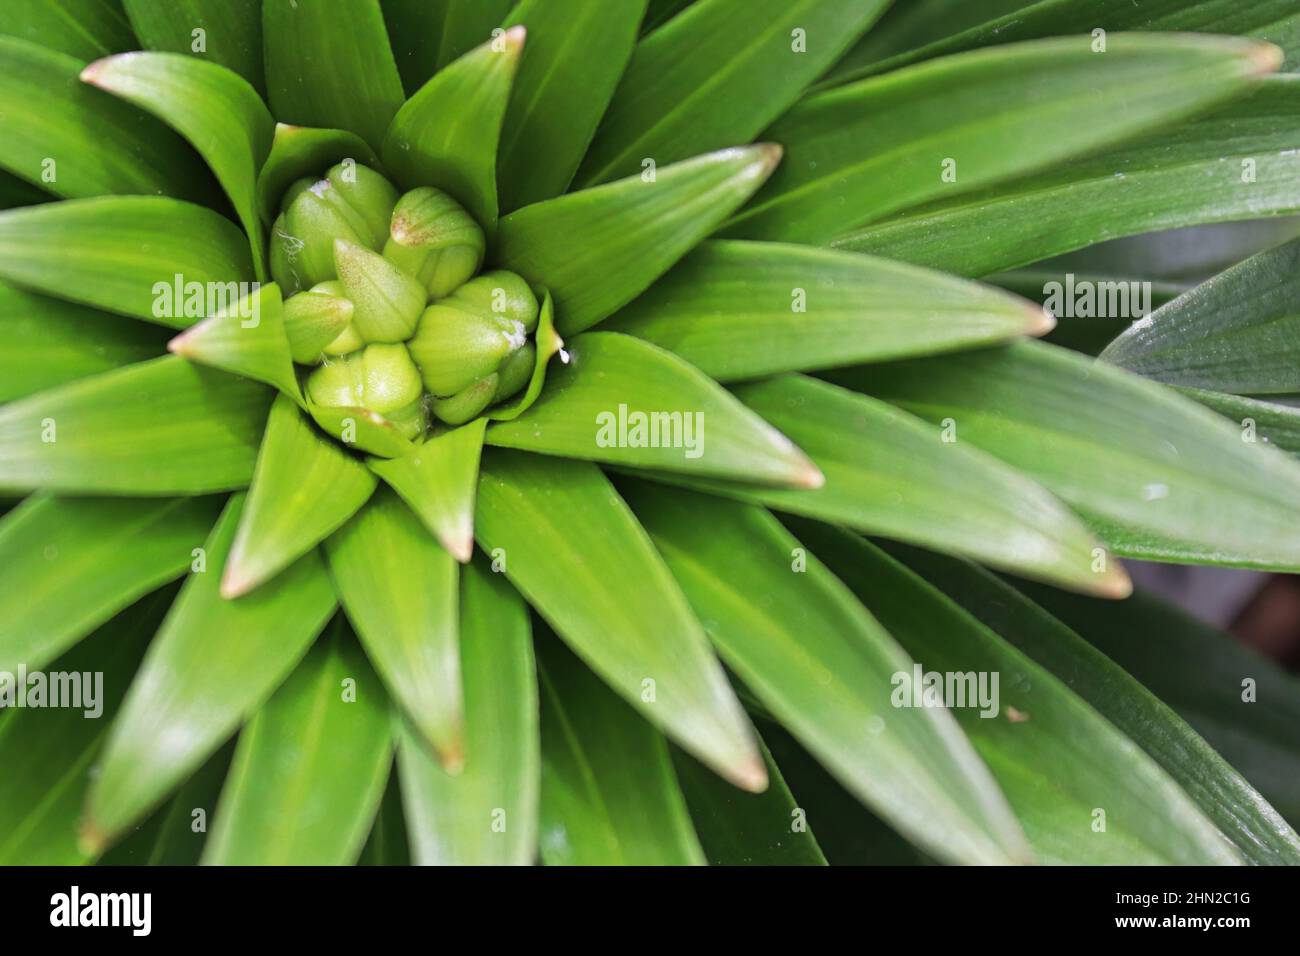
315	319
434	238
386	300
369	194
468	403
381	378
354	203
502	294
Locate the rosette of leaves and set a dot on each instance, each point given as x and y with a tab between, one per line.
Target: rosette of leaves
736	246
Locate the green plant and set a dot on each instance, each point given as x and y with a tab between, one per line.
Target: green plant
775	215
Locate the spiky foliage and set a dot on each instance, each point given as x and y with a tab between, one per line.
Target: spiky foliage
742	238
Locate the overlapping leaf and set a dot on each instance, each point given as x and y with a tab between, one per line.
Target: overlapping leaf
232	31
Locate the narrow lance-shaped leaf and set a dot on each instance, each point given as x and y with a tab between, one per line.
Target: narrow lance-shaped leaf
67	565
810	652
426	35
164	427
208	669
1163	476
569	543
627	402
1084	793
598	249
304	151
944	138
232	31
1269	423
486	814
399	590
328	64
609	793
85	30
740	310
438	480
304	487
121	253
310	767
446	135
1235	807
717	75
216	110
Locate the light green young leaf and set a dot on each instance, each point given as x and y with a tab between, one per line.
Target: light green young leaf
304	151
232	32
361	428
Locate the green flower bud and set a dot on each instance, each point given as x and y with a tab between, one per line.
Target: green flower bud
455	348
316	318
467	404
369	194
283	251
381	378
515	372
436	240
386	300
502	294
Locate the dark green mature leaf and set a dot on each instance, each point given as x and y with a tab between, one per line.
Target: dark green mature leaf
1236	808
1239	162
121	253
1238	332
742	310
328	64
85	29
399	590
304	151
47	754
16	192
746	829
316	756
575	55
962	122
889	474
809	651
660	12
572	547
486	814
717	75
232	31
598	249
1271	423
208	669
1156	468
386	845
446	134
164	427
609	793
1084	793
304	487
428	34
48	342
627	402
438	480
1245	706
67	565
76	141
217	111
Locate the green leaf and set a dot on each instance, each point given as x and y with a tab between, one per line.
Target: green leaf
428	34
1271	423
977	111
561	94
47	754
386	845
598	249
573	549
329	65
304	487
1057	760
627	402
809	651
216	110
1238	332
76	141
746	829
48	342
717	75
446	134
310	767
661	11
1155	468
486	814
399	590
438	480
1235	807
1203	675
889	474
303	151
609	793
360	427
232	31
85	29
164	427
121	253
1240	162
740	310
16	192
70	564
208	670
